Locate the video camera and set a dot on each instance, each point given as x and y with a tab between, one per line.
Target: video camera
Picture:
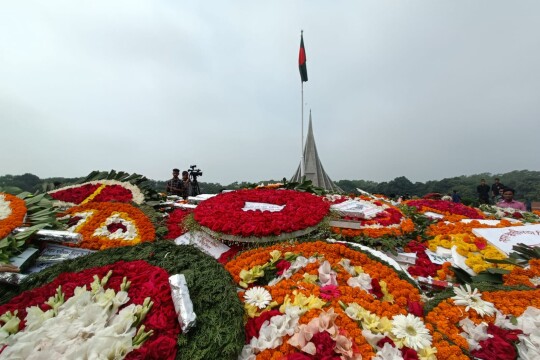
193	173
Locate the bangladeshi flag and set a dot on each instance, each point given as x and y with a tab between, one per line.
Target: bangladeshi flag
302	60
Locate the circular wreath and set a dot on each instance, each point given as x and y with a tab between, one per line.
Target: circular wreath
145	281
451	210
223	217
389	221
12	212
105	225
218	333
484	322
323	289
99	190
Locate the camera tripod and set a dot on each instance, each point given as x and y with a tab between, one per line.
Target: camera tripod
195	189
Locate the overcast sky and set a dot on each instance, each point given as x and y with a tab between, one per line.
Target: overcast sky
423	89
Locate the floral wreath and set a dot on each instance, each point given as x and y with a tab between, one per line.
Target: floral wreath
497	212
113	305
450	210
98	190
485	323
12	212
318	300
389	221
225	215
105	225
218	332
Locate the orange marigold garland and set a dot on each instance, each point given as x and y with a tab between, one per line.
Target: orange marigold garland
12	212
324	290
107	225
529	277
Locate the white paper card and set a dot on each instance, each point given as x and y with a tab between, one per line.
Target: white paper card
432	215
438	258
506	238
203	242
356	208
262	207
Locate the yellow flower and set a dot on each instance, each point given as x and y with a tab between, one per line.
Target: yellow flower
310	279
275	256
250	276
387	296
385	325
300	300
427	353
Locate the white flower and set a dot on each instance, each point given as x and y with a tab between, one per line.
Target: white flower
35	317
284	324
346	263
362	281
473	300
327	276
388	352
247	353
529	321
258	296
474	333
268	338
411	330
529	346
5	208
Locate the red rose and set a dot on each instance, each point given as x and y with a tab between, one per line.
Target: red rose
282	265
253	325
160	348
415	308
385	340
298	356
510	335
324	344
495	348
376	288
409	354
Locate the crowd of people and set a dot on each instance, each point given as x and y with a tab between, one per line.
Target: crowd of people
501	196
179	186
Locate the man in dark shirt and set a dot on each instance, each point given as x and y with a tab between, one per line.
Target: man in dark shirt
186	185
175	185
496	190
483	192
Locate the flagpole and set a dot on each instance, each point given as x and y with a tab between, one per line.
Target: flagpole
302	137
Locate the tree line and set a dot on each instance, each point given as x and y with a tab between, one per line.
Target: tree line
525	182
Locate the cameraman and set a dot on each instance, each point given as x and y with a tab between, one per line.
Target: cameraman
186	185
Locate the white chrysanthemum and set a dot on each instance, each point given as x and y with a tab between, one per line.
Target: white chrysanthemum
473	300
258	296
411	330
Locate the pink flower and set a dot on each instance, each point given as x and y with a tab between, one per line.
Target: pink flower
329	292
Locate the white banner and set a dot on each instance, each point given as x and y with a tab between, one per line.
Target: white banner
262	207
506	238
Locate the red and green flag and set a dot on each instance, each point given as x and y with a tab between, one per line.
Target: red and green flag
302	60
